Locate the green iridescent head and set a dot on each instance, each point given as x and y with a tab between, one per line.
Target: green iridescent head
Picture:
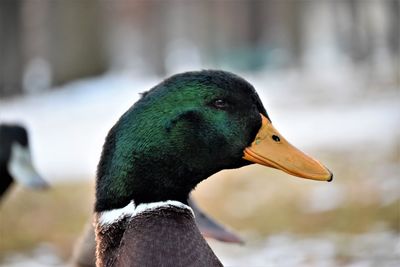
185	129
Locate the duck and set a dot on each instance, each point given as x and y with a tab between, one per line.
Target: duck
16	161
183	130
84	254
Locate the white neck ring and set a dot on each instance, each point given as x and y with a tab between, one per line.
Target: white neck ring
131	210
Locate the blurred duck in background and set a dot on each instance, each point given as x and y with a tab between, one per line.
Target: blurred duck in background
185	129
85	250
16	161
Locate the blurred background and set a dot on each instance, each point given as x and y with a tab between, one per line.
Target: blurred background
328	73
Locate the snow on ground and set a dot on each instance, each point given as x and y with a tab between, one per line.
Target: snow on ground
380	248
43	256
68	126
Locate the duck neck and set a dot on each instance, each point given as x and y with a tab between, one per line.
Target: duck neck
134	171
145	182
115	216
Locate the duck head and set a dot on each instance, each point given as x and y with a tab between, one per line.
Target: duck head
185	129
15	159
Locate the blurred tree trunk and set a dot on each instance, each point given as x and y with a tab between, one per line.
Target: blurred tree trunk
294	18
361	36
155	35
10	48
394	35
76	40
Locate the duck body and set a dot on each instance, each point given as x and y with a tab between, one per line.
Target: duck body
15	159
179	133
168	232
85	250
5	181
8	135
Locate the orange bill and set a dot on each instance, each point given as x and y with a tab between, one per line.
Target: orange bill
270	149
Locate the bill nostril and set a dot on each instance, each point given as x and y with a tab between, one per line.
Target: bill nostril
276	138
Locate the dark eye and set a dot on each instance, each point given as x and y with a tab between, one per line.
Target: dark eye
220	104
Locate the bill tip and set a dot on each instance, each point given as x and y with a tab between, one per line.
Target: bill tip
331	177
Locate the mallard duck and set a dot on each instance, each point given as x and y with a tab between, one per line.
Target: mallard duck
179	133
15	159
85	251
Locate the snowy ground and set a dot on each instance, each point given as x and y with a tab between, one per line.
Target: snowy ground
284	250
367	250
